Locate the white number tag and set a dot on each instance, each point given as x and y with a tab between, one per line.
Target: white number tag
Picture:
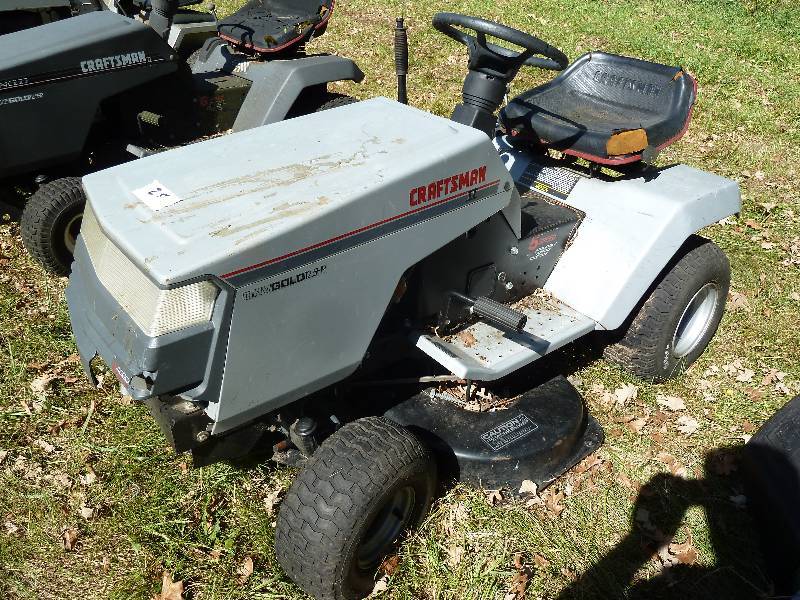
156	196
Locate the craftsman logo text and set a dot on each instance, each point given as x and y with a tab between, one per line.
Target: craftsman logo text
442	188
626	83
113	62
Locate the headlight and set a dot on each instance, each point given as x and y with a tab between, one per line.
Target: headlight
154	310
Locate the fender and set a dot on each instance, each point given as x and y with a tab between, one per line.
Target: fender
631	230
278	83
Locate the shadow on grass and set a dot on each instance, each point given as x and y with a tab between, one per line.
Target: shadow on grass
743	568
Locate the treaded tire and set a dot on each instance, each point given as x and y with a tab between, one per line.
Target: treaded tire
647	346
334	101
46	218
332	506
313	101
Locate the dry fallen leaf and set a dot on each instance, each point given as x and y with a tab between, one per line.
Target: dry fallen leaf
46	446
40	385
380	586
454	555
552	503
521	579
540	561
272	499
626	481
245	569
722	463
86	512
745	375
687	425
675	467
467	338
170	590
625	394
10	527
740	500
389	564
69	537
89	477
685	553
528	487
737	300
494	497
634	423
671	402
588	463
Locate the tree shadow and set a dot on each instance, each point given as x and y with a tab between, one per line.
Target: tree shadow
744	567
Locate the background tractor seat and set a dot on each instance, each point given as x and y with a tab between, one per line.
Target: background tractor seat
267	26
605	108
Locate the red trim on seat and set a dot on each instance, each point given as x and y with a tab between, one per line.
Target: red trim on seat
236	42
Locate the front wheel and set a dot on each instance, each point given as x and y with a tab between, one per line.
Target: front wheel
677	320
51	222
367	485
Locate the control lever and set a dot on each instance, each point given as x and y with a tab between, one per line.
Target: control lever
494	312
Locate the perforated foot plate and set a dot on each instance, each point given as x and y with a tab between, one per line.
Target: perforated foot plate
484	353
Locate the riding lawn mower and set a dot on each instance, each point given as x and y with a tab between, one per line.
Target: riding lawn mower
100	89
336	289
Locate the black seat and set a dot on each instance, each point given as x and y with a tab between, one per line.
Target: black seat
605	108
270	26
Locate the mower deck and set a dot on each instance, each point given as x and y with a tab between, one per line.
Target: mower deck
542	435
485	353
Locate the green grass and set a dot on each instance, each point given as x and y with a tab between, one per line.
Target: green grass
149	513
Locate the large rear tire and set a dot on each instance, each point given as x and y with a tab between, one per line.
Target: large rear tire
51	221
314	100
677	320
368	484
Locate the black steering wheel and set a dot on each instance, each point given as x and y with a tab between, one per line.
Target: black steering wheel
492	59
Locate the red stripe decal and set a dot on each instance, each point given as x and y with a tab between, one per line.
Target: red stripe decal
353	232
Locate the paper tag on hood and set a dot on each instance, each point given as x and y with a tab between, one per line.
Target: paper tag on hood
156	196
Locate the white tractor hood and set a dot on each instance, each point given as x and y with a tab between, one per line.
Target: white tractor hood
232	204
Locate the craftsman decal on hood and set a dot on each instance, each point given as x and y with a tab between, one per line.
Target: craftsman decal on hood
446	186
113	62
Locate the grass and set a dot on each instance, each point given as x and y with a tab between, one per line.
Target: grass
68	449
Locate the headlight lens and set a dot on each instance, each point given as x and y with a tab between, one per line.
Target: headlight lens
154	310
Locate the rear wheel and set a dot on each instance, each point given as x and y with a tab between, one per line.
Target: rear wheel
367	485
313	100
679	317
51	221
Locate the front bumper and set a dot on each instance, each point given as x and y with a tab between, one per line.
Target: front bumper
145	366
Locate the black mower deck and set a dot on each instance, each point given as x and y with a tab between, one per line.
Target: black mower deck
546	432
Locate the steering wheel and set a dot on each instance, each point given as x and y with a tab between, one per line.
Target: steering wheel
492	59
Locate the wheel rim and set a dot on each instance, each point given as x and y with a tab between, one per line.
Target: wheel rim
391	520
71	231
695	320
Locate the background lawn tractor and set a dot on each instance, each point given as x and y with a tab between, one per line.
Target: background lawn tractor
255	290
16	15
107	89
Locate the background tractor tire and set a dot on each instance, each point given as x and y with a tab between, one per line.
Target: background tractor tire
314	99
51	221
361	490
679	316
